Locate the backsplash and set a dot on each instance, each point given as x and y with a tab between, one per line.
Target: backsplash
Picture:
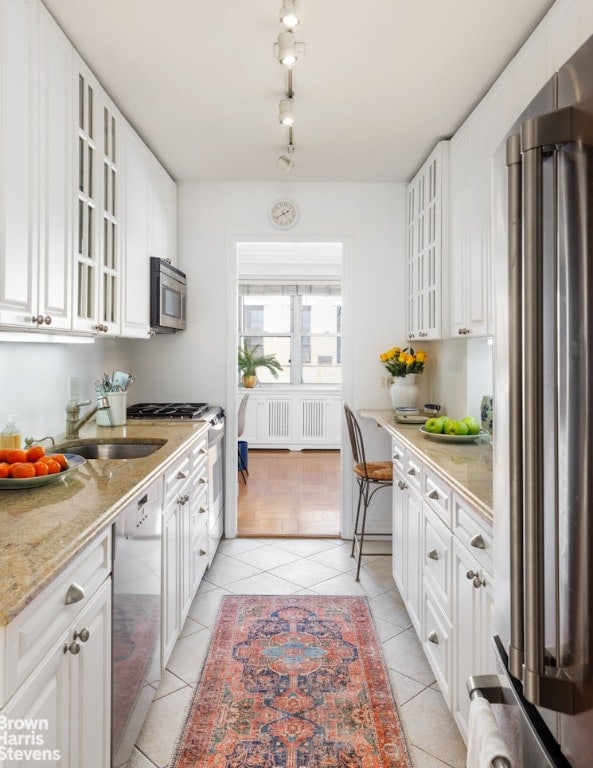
34	379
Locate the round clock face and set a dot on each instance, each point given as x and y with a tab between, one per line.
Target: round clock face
283	214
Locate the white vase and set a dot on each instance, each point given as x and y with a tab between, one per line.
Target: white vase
404	391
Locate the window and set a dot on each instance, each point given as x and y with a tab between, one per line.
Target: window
300	324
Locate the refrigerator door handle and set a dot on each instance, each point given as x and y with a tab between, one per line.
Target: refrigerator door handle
542	685
515	325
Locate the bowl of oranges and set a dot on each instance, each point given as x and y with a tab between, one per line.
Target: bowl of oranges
31	467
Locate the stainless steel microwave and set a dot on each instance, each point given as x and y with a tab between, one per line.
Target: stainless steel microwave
167	297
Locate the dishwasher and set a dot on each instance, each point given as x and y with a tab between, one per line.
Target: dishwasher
136	617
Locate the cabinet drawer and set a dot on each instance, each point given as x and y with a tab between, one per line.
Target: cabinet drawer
200	554
437	495
199	506
437	644
413	471
199	456
36	628
474	533
437	542
398	454
176	477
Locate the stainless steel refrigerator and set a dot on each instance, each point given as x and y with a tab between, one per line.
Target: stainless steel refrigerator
543	445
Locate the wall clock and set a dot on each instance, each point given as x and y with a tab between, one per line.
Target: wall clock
284	214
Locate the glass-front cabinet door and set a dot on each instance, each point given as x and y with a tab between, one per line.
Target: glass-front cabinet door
96	283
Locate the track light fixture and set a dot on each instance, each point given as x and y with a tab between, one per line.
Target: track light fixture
288	51
286	112
287	160
288	14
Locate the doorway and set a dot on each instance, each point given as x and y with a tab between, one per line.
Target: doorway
289	304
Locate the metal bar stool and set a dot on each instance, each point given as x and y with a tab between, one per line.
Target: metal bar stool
375	475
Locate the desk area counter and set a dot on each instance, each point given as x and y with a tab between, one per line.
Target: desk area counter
467	467
44	528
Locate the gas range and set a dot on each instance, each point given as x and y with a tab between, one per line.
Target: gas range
175	411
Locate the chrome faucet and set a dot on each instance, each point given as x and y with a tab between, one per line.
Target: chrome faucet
73	421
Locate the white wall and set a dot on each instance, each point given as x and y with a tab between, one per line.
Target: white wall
199	364
34	379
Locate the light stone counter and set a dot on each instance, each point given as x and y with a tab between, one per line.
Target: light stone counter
467	467
44	528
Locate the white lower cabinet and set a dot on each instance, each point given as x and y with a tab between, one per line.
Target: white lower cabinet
442	560
185	539
69	688
474	626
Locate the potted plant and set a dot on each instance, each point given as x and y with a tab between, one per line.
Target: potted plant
250	359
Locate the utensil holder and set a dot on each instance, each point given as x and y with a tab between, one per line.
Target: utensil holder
115	415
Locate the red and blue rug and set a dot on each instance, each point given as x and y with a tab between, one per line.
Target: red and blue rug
293	682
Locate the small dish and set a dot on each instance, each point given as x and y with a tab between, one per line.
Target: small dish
453	438
20	483
415	418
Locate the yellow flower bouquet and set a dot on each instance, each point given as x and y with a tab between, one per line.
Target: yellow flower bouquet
400	362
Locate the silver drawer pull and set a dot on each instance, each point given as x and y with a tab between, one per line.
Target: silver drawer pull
396	457
203	552
83	635
74	594
181	475
411	471
433	554
433	637
434	495
401	485
201	510
477	541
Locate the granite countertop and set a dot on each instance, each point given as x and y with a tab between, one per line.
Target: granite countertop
467	467
44	528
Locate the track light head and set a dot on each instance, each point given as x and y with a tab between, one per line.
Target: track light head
288	15
287	50
287	160
286	112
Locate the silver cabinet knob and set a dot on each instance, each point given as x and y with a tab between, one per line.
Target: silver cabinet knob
201	510
478	541
181	475
74	594
402	486
433	637
47	319
396	457
433	495
203	552
74	648
183	499
411	471
83	635
433	554
478	581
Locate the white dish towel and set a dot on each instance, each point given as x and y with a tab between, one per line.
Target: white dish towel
485	741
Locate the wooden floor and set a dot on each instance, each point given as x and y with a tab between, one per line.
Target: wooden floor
290	493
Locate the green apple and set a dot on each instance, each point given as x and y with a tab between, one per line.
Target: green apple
435	424
454	427
473	426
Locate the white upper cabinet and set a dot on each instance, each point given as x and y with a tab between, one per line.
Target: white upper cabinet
467	268
136	266
426	238
162	231
18	161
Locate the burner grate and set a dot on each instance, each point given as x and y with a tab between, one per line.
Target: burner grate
167	410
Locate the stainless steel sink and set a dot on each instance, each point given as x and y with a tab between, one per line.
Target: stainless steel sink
123	450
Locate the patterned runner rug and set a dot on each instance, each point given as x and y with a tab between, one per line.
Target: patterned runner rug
293	682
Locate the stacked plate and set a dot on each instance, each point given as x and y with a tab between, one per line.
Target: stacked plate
410	415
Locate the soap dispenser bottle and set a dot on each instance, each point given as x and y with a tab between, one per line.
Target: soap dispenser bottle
10	437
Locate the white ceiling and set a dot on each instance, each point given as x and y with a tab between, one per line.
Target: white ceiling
380	82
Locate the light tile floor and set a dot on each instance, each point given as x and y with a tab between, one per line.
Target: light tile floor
303	566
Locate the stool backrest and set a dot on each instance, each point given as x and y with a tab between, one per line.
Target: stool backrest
356	441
